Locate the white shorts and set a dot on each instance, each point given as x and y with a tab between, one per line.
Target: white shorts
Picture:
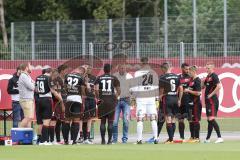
145	109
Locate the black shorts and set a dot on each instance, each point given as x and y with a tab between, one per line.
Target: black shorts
196	112
43	109
73	110
89	108
170	106
107	108
212	105
184	111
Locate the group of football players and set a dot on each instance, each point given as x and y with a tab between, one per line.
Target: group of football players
67	101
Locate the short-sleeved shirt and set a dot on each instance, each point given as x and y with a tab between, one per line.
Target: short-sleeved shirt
43	85
184	81
90	81
170	82
195	85
107	84
145	85
74	82
211	83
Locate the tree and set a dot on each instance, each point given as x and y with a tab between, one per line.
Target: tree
2	24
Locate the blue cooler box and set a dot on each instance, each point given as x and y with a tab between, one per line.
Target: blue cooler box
22	135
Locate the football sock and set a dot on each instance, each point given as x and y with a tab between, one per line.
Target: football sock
181	128
45	133
66	129
154	128
174	128
51	133
110	129
57	130
74	130
216	128
39	138
84	130
191	127
103	129
197	129
170	131
160	125
139	130
210	128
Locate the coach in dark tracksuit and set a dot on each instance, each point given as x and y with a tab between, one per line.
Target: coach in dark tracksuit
12	89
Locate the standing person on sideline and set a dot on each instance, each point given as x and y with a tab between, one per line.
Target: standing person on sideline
123	104
146	91
26	88
170	93
62	71
90	104
75	87
194	91
45	90
38	116
184	110
212	85
107	90
12	89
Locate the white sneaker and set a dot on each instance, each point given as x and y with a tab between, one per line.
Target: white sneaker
219	140
45	144
49	144
87	142
56	143
207	141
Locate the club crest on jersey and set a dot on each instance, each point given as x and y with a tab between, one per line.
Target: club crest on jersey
191	84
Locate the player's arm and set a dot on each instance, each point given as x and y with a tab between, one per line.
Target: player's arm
54	92
195	93
83	90
161	93
117	87
218	86
180	94
96	89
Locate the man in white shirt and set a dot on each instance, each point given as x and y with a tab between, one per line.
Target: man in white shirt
26	88
146	91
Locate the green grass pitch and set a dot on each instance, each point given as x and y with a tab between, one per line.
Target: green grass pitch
228	150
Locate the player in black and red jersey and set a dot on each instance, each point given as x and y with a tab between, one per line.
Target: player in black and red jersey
75	87
194	91
107	89
44	89
184	110
90	103
57	115
212	85
62	71
170	93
